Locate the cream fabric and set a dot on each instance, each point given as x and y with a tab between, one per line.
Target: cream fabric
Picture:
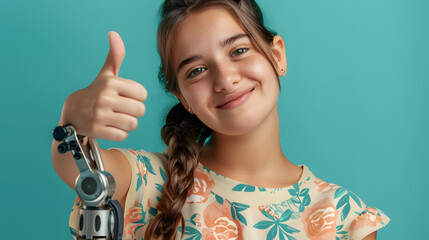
222	208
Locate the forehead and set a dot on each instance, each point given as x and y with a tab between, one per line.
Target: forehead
203	30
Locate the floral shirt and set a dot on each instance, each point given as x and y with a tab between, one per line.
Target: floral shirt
222	208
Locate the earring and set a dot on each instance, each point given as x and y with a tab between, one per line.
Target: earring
190	110
283	72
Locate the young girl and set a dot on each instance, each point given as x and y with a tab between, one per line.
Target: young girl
223	174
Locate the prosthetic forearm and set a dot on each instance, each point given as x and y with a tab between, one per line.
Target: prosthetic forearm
100	217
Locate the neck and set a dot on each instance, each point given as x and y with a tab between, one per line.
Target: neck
253	156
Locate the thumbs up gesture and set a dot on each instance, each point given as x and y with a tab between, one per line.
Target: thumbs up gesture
109	107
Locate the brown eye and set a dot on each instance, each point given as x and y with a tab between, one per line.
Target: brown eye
196	71
239	51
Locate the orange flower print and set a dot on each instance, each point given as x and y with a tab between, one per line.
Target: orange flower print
268	210
77	202
133	152
219	223
142	168
197	220
202	187
369	217
324	186
133	219
320	220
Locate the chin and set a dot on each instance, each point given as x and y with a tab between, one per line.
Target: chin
237	127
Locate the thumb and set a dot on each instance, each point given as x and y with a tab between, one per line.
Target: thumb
116	54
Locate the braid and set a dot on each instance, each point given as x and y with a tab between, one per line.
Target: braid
184	134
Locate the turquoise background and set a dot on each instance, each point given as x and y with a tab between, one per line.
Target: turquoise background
353	107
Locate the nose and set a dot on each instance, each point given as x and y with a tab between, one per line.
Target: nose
226	77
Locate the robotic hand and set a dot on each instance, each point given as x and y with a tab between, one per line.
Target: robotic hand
100	217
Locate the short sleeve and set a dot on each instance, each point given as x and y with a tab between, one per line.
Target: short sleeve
355	219
147	180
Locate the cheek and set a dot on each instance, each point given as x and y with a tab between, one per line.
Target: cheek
258	68
196	94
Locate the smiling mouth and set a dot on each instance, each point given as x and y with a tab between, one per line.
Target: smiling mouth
236	101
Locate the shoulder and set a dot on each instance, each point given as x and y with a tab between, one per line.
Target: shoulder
147	170
139	158
352	217
147	180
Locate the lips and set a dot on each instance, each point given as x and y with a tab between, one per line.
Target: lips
235	99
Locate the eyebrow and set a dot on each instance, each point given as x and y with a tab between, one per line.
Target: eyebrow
223	43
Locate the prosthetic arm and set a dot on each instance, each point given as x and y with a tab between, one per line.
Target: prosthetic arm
100	217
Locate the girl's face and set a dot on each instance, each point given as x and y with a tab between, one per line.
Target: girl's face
222	77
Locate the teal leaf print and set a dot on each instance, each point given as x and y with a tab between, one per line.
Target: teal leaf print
339	192
239	187
141	222
159	187
306	201
240	206
241	218
303	192
338	229
153	211
272	233
355	198
236	208
345	211
339	232
262	189
277	226
143	216
219	199
139	181
288	228
296	186
163	176
299	200
285	216
193	233
145	180
247	188
345	201
268	215
191	220
293	192
275	190
146	162
208	170
263	224
232	212
73	232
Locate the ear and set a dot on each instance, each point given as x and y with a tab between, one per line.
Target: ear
279	54
182	100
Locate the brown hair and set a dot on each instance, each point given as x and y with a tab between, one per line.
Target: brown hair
183	133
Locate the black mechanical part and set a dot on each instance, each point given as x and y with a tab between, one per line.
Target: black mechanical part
118	214
60	133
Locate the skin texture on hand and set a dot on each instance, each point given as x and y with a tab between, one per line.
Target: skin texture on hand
109	107
106	109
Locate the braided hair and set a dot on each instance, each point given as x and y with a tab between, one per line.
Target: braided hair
183	133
